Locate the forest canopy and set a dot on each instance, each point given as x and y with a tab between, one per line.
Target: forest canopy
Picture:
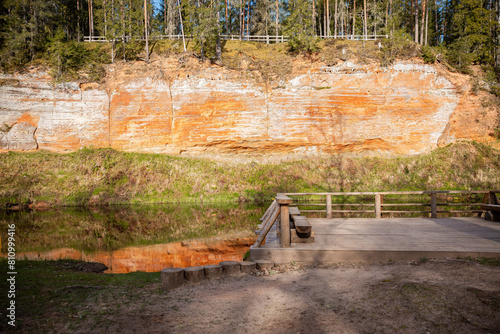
464	31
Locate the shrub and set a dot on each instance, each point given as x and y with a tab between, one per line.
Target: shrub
428	55
398	47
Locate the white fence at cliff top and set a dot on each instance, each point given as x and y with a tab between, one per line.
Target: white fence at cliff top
253	38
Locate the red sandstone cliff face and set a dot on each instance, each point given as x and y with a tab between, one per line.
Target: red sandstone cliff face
404	109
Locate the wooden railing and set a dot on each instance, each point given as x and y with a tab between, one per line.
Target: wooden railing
255	38
382	203
278	212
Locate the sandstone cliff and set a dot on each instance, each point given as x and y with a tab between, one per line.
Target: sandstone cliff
167	107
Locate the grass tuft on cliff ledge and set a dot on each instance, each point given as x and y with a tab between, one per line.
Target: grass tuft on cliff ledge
106	176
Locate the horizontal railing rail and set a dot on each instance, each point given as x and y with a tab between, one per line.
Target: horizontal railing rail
255	38
387	202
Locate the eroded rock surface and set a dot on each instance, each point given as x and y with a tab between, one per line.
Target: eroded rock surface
404	109
21	137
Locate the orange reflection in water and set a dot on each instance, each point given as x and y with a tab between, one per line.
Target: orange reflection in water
154	258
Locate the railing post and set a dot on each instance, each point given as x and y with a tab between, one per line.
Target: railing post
284	202
433	206
328	206
492	198
378	211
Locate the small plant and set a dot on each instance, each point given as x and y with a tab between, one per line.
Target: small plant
5	127
475	86
428	55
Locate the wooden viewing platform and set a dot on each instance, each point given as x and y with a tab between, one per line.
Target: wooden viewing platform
379	238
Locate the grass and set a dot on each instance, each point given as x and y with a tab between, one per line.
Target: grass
51	290
485	261
94	177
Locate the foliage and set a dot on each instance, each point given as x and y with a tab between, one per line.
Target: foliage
398	47
299	27
428	55
66	58
468	29
470	39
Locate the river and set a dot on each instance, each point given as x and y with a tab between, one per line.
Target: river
134	238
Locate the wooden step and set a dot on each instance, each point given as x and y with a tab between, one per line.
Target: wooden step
295	239
302	226
294	211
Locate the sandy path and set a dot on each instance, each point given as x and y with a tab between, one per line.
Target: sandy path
432	297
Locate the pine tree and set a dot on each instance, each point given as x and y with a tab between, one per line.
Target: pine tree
470	39
299	27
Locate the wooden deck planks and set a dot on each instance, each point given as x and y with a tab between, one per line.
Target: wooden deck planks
374	240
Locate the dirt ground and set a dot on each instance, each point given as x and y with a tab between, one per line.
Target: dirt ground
447	296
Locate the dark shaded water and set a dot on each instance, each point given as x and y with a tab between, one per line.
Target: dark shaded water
134	238
113	227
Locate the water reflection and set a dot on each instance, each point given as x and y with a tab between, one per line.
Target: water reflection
126	236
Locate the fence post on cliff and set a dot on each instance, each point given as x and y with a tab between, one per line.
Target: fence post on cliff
284	202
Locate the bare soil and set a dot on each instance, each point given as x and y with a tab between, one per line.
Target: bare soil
452	296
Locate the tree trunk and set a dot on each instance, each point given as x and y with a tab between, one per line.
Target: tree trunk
277	19
444	17
218	47
354	19
497	51
241	20
182	26
248	19
335	19
393	24
91	20
416	21
227	23
386	18
78	20
324	18
146	29
130	18
165	17
314	16
422	26
105	19
365	23
327	18
426	25
123	30
320	26
436	23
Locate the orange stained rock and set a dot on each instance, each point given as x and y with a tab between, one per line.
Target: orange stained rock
408	108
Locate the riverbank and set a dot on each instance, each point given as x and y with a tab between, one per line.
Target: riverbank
93	177
459	296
